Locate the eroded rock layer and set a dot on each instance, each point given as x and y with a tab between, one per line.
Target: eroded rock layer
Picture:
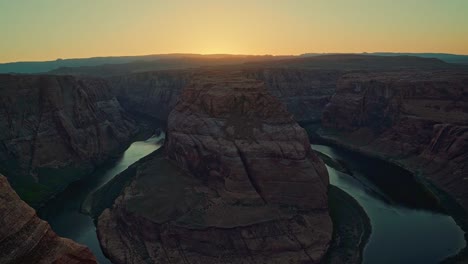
231	130
241	185
305	92
24	238
418	119
153	94
56	128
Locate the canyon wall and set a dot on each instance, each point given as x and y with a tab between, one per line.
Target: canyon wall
55	129
241	185
24	238
305	92
418	119
152	94
394	105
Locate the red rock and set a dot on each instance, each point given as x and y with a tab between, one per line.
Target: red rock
305	92
24	238
243	185
57	123
230	129
418	119
153	94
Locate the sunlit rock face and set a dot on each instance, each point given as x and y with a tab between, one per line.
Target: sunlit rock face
57	125
419	119
24	238
239	184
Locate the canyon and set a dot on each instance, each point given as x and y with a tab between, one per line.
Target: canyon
24	238
241	185
56	129
237	181
305	92
416	119
420	112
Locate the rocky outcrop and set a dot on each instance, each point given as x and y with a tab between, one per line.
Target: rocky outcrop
56	128
242	185
24	238
229	128
417	119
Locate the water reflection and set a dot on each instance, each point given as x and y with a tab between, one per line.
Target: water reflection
407	225
63	212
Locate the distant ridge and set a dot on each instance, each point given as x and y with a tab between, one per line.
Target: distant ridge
47	66
447	57
361	62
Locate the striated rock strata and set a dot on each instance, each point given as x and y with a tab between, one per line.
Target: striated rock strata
241	185
24	238
56	128
153	94
305	92
418	119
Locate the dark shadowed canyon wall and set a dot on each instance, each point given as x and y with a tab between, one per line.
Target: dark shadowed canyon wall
418	119
305	92
24	238
55	129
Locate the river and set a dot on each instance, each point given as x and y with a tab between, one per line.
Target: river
63	212
407	225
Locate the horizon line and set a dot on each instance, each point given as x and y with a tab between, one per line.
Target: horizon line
230	54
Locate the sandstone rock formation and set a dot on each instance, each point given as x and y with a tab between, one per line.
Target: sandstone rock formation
24	238
56	128
153	94
243	185
418	119
229	129
305	92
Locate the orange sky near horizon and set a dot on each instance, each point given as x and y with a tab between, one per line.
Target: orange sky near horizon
50	29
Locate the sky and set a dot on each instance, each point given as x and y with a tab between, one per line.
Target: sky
32	30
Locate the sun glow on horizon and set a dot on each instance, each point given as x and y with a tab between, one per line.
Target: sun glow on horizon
49	29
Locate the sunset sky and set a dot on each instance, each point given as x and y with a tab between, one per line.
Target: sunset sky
50	29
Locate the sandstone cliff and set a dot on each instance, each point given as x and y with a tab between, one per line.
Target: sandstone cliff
153	94
305	92
243	185
55	129
24	238
418	119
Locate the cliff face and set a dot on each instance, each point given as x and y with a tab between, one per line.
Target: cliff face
305	92
24	238
419	119
243	185
54	129
153	94
229	128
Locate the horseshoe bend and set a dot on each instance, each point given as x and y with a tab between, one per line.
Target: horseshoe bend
234	132
242	184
